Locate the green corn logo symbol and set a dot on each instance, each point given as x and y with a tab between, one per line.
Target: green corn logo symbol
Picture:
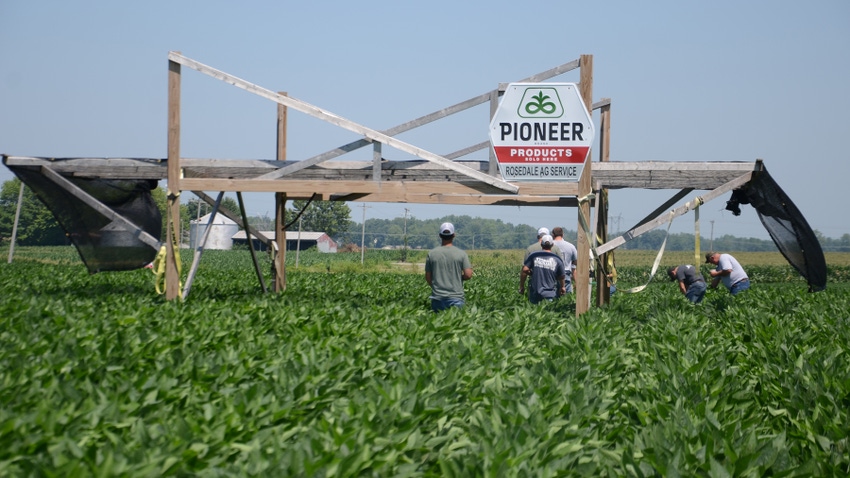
540	103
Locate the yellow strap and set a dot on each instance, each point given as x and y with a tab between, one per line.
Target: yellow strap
612	270
160	260
159	271
654	264
586	227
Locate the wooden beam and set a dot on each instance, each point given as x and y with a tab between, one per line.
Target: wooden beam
400	188
172	229
344	123
603	291
278	247
282	118
610	175
470	149
581	279
668	175
376	162
98	206
664	207
493	166
465	199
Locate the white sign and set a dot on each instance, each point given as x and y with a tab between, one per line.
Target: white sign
541	132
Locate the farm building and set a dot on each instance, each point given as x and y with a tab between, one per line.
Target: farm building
322	241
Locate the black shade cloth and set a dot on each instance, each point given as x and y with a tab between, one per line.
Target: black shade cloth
103	244
786	225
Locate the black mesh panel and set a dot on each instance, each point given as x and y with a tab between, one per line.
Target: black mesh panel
788	229
103	245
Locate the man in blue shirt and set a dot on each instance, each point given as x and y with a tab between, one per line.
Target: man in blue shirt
547	271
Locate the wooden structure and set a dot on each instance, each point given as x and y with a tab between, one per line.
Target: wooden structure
430	179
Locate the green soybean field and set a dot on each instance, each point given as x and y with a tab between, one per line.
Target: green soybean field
348	373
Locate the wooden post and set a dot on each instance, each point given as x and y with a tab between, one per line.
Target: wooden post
603	291
493	166
172	230
377	155
279	256
279	263
582	275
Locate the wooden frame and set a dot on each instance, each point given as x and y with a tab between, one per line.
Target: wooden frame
431	179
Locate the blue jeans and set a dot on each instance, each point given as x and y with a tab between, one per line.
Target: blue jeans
740	286
536	299
696	292
446	302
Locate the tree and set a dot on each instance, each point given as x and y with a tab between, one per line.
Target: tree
196	208
36	225
330	217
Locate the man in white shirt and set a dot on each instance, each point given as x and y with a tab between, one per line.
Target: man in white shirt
728	271
569	254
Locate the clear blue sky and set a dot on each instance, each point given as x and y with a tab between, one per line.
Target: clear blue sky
689	81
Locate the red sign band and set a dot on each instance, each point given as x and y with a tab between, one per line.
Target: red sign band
541	154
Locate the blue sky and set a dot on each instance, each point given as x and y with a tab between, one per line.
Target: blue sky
689	81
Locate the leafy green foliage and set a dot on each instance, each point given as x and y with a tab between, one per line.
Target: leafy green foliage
330	217
349	373
36	224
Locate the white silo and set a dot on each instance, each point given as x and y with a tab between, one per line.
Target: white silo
221	232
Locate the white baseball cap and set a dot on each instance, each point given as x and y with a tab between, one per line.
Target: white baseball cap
542	231
547	240
447	229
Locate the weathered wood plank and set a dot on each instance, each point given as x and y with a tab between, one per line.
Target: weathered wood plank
610	175
464	199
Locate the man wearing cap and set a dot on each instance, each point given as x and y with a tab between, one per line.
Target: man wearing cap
536	246
569	254
729	271
691	281
446	268
547	271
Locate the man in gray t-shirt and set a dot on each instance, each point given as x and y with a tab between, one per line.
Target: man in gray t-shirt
691	281
446	268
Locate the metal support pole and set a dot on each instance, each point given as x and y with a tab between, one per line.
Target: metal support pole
200	248
250	242
15	225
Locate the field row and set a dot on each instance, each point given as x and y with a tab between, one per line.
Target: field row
348	373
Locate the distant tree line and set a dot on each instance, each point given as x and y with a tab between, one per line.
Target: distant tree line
478	233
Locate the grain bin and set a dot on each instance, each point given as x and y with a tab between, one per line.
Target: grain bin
221	232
